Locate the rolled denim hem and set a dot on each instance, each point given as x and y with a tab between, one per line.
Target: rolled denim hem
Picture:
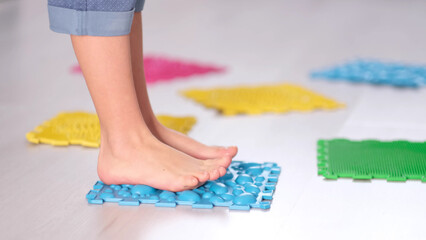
93	23
139	5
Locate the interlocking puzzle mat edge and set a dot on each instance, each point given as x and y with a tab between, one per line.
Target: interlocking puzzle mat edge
228	109
36	136
246	185
323	163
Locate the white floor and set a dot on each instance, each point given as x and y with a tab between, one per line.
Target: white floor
43	188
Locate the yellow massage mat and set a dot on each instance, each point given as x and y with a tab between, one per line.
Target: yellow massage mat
81	128
280	98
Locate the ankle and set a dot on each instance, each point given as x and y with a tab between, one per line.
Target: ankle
116	142
156	127
152	123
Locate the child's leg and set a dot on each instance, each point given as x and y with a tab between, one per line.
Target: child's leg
167	136
129	153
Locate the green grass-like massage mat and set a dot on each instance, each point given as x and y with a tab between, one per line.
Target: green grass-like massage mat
394	161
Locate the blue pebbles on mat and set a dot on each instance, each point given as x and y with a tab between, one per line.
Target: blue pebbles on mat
245	185
376	72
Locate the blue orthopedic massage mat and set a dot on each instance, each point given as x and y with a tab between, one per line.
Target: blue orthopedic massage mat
376	72
245	185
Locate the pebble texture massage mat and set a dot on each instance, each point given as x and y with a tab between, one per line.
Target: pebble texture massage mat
376	72
246	185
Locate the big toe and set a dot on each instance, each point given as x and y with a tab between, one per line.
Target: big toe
211	152
211	164
225	161
217	152
231	151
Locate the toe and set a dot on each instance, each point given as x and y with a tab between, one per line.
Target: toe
225	161
222	171
217	152
203	176
210	164
190	182
214	174
231	151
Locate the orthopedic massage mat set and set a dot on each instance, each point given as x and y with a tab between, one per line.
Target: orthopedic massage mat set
249	185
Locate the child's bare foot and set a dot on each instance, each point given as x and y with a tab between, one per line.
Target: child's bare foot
150	162
188	145
174	139
129	152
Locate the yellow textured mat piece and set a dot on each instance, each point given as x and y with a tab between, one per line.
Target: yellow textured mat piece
280	98
81	128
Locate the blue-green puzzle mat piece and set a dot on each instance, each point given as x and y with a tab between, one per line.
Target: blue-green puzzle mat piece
376	72
245	185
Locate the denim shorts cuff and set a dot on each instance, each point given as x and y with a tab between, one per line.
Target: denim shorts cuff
139	5
93	23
